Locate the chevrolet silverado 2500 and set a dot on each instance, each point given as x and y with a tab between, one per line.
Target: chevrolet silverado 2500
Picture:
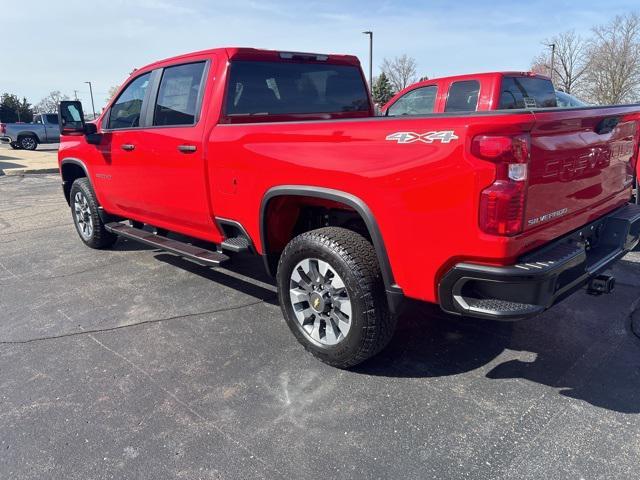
496	215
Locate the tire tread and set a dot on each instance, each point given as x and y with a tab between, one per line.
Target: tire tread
359	254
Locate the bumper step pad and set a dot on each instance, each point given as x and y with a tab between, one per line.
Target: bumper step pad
543	277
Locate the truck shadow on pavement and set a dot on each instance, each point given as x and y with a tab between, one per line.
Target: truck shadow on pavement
595	359
241	277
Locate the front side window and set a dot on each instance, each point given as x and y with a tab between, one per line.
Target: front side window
526	92
416	102
283	88
52	119
125	112
463	96
178	95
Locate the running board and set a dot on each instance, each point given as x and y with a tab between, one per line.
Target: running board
199	255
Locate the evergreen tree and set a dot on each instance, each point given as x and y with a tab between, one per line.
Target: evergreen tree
382	90
14	110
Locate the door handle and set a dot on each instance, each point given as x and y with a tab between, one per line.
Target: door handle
187	148
127	146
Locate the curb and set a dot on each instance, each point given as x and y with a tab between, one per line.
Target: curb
27	171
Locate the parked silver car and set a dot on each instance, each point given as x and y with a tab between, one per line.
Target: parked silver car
43	129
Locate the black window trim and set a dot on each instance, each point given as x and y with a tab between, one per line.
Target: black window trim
435	100
462	81
151	95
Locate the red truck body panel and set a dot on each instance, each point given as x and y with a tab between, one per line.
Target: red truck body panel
424	197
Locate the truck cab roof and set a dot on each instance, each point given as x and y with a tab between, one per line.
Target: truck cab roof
247	53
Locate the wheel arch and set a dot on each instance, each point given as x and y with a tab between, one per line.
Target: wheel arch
394	292
28	133
70	170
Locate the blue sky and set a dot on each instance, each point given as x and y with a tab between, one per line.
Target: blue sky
57	45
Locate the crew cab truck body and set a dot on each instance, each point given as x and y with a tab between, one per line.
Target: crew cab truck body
496	215
27	136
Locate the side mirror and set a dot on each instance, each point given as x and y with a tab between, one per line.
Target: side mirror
71	118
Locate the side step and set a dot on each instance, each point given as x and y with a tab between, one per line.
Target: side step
236	244
199	255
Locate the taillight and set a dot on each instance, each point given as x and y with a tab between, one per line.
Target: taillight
3	128
502	203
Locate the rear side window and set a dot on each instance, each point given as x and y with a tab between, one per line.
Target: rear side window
463	96
416	102
178	95
279	88
526	92
52	119
125	112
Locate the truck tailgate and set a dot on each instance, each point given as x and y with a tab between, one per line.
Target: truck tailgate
579	159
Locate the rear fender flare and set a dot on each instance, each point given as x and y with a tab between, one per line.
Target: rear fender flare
394	292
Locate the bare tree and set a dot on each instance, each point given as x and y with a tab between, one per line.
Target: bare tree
49	104
613	76
401	71
570	61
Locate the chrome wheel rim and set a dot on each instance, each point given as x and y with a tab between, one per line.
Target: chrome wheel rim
28	143
84	222
320	301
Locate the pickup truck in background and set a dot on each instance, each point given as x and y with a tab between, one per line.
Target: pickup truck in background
496	215
476	92
27	136
481	92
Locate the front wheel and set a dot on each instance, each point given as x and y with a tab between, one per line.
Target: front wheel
332	296
84	209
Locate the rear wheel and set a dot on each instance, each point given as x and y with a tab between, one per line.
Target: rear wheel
84	209
332	296
28	142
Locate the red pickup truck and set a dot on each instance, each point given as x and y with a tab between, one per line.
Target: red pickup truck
495	214
475	92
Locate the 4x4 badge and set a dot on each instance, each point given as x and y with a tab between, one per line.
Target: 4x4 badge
444	136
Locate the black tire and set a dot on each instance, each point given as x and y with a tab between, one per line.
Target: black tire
28	142
354	260
97	236
14	145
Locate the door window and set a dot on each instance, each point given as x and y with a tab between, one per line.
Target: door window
125	112
463	96
416	102
178	95
52	119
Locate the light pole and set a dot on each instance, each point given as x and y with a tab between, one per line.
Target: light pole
553	55
93	107
370	33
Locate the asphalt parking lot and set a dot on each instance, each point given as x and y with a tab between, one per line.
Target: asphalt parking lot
133	363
